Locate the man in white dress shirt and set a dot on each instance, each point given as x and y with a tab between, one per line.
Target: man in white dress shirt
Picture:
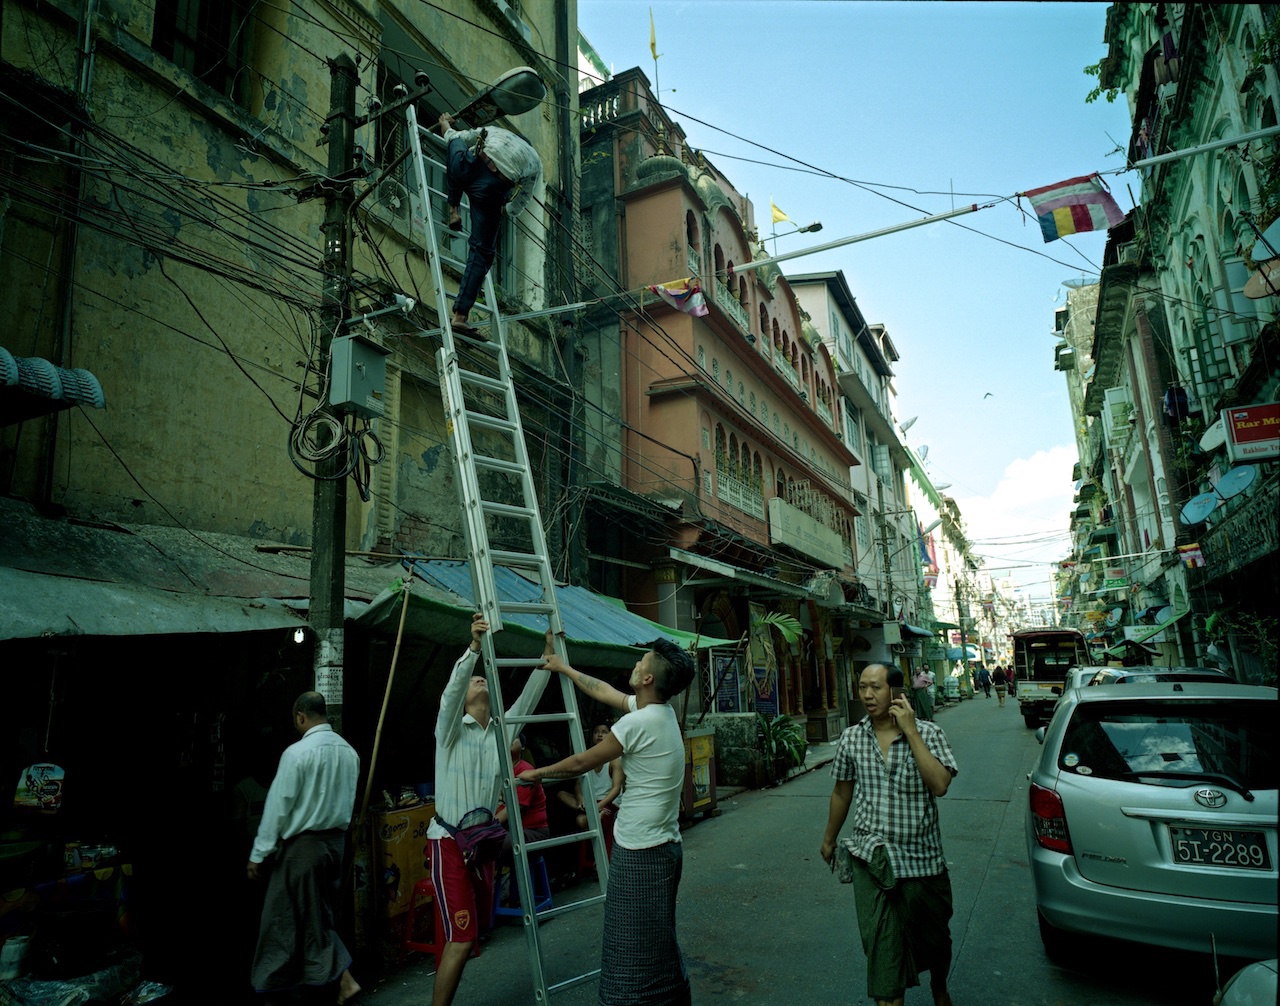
304	824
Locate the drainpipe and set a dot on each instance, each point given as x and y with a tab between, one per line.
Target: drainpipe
66	276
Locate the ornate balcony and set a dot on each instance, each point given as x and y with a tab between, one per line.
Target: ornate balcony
1248	533
728	303
694	261
824	413
739	494
783	367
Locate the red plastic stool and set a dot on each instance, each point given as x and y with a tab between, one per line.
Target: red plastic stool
424	889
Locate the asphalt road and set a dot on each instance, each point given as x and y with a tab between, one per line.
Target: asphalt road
763	921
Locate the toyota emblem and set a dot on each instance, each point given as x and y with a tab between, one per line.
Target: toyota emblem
1211	798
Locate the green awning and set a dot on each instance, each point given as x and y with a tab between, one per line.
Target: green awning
945	625
1146	633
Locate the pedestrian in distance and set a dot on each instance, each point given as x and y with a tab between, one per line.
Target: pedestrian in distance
468	779
641	963
1001	683
984	680
891	768
304	826
922	698
499	172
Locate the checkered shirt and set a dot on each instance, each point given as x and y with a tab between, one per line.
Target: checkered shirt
891	804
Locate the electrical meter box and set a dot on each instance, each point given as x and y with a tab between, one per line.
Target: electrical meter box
358	375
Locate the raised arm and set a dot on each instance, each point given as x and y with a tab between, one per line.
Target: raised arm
453	699
597	689
572	767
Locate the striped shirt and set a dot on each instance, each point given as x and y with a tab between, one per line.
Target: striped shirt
891	804
516	159
468	758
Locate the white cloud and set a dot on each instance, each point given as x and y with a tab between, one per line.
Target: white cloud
1025	519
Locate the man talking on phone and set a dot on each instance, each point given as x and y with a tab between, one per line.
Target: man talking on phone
891	768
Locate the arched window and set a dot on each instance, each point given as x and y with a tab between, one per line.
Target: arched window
764	322
720	453
780	485
702	358
742	394
775	424
733	454
804	370
746	460
764	412
715	370
777	336
719	254
753	403
691	232
742	291
728	379
757	471
786	431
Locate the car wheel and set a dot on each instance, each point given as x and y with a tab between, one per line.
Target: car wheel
1058	943
1031	720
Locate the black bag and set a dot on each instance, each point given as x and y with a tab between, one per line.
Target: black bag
479	835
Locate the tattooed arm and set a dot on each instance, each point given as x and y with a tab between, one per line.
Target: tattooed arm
576	764
599	690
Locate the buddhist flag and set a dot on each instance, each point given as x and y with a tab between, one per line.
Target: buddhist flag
653	37
1074	206
683	296
1191	555
778	215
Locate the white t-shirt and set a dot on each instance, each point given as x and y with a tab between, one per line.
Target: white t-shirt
601	782
653	762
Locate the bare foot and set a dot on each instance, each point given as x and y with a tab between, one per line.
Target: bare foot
348	988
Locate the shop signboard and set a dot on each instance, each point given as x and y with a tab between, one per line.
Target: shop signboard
728	681
1253	432
766	691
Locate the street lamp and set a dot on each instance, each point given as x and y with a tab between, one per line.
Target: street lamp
812	228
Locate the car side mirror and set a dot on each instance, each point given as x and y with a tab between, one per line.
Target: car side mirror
1040	734
1056	690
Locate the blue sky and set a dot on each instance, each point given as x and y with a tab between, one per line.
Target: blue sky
916	101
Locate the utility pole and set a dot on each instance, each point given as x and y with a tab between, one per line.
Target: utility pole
329	503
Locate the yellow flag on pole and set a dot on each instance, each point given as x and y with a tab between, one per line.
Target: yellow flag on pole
778	215
653	38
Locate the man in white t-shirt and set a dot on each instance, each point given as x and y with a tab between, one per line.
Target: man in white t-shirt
640	963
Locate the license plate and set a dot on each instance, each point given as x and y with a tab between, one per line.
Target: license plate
1229	847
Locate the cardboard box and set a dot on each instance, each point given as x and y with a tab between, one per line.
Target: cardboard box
399	857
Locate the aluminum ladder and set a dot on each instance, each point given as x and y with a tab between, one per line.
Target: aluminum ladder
496	493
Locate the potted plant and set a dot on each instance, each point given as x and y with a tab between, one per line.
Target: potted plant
784	742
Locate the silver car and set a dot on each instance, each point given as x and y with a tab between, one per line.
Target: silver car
1152	817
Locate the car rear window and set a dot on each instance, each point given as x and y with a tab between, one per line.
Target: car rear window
1174	743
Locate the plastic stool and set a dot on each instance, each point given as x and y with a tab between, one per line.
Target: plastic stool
541	892
424	889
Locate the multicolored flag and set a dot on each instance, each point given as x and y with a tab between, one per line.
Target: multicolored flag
683	296
1074	206
1191	555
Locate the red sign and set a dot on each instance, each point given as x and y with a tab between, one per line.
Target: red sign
1253	432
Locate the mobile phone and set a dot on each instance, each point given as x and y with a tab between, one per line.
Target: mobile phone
896	693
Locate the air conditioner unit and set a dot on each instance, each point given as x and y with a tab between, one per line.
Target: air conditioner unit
512	13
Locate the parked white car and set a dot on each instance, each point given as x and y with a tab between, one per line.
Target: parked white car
1152	818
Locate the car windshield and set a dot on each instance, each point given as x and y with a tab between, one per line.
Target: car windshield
1174	743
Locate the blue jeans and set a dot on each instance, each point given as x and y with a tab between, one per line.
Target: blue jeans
486	193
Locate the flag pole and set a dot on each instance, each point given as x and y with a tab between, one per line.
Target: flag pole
841	242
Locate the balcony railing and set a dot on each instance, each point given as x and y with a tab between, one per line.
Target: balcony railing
739	494
730	306
1249	533
820	407
783	366
694	261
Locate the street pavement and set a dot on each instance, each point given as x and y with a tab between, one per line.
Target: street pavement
763	921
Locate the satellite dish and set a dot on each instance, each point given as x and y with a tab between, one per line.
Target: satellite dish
1267	247
1265	281
942	485
1236	481
924	451
1198	508
1076	284
1113	617
1214	437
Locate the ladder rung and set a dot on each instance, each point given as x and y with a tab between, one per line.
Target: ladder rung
573	906
523	560
557	841
497	464
491	422
569	983
508	510
518	662
565	717
526	608
482	380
